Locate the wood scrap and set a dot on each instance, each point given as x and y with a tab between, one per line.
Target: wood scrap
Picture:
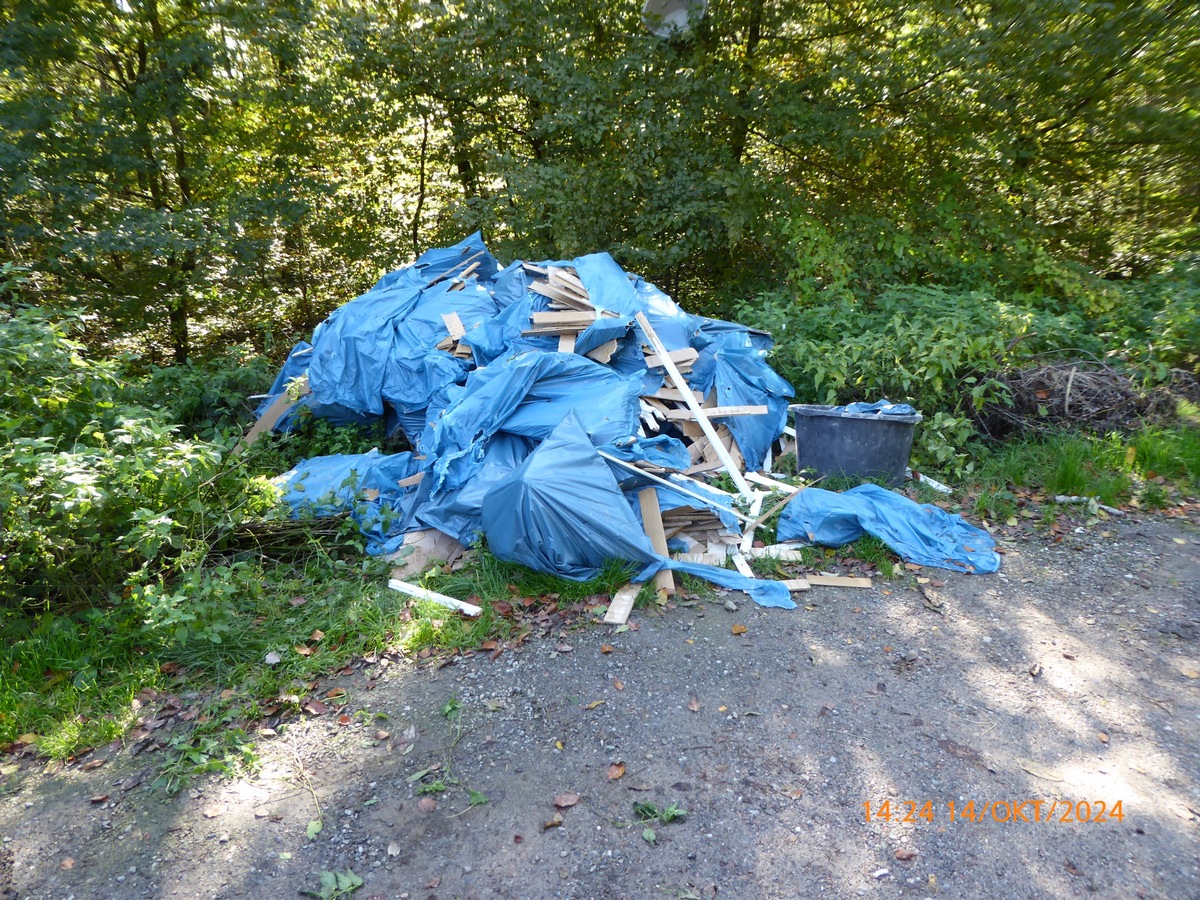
682	359
420	593
795	584
604	352
778	552
621	604
772	483
652	523
673	485
411	480
740	563
279	408
421	550
566	343
720	412
454	325
839	581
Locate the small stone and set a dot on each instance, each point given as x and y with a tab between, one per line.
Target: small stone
731	606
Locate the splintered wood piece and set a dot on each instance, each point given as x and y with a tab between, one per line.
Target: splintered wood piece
567	277
446	344
554	292
566	343
469	270
604	352
720	412
682	358
748	532
674	395
454	268
678	488
621	604
279	408
739	563
653	525
411	480
775	485
403	587
678	381
464	351
795	584
570	317
780	552
839	581
530	267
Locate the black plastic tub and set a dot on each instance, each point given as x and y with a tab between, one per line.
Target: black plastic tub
867	445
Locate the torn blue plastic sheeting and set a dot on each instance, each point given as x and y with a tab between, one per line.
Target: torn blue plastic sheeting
363	485
458	511
294	366
528	395
562	512
663	451
918	533
878	408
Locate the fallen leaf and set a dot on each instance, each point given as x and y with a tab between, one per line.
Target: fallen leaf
314	828
594	704
517	838
553	823
335	693
694	703
427	804
67	864
722	708
100	798
887	649
304	651
298	601
739	629
563	648
606	648
616	771
393	849
904	854
618	684
1103	737
381	735
1189	672
488	645
344	719
566	800
433	882
649	836
1071	870
93	764
315	708
316	635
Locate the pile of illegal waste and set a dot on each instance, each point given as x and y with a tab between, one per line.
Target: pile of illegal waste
567	413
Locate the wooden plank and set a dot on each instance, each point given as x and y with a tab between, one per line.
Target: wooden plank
411	480
748	531
720	412
412	590
571	317
839	581
454	268
530	267
469	270
734	471
621	604
740	563
604	352
772	483
279	408
653	526
675	395
777	552
673	486
774	509
796	584
566	343
681	358
454	325
557	293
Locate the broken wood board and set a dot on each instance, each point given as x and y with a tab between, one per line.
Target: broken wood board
795	584
776	552
678	488
279	408
700	556
681	358
621	604
566	343
571	318
420	593
740	563
652	523
411	480
454	268
772	483
421	549
839	581
604	352
720	412
748	531
674	395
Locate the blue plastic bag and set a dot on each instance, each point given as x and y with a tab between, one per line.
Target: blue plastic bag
918	533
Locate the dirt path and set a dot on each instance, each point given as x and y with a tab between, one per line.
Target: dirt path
772	741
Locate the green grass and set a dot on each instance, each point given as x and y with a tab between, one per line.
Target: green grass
1114	468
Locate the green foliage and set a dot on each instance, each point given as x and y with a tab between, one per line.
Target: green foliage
335	885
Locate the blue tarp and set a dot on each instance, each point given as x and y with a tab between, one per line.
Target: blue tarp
918	533
507	438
